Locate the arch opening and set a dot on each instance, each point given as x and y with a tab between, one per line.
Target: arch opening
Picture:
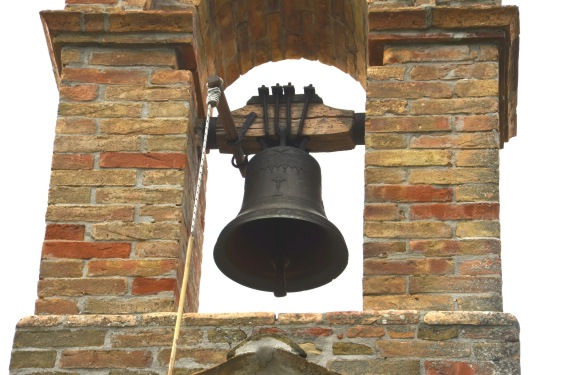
343	191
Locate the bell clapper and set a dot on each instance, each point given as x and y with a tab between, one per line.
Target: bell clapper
280	262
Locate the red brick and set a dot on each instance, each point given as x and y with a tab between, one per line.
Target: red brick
454	71
383	141
153	126
477	228
385	73
59	268
405	158
85	250
383	249
79	92
56	306
458	368
408	124
385	106
383	285
64	232
92	213
69	195
456	106
454	176
461	141
399	19
143	160
94	22
75	126
481	267
402	54
477	193
142	195
161	249
130	267
401	332
105	359
202	356
94	2
272	330
382	212
407	267
144	285
72	161
408	90
88	143
408	193
93	178
81	287
100	109
125	57
366	331
138	4
476	123
167	109
407	229
109	76
162	213
315	331
455	211
123	231
477	158
169	77
121	305
375	175
145	93
409	302
454	284
62	21
372	317
470	17
431	72
36	359
476	87
70	55
150	21
422	348
455	247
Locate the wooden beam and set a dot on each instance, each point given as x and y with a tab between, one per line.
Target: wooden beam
329	129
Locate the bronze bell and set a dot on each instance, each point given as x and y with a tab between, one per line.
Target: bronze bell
281	240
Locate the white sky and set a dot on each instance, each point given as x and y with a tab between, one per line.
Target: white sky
531	187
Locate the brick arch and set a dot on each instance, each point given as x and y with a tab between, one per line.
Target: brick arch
237	36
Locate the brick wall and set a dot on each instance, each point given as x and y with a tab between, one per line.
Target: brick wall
362	343
431	211
121	191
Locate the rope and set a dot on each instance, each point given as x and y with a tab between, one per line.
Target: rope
213	96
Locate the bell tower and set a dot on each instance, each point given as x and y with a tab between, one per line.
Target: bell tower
441	83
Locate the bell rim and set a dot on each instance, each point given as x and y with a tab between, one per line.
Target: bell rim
317	280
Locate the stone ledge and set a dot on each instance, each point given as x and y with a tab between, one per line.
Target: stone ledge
383	317
488	318
151	319
119	22
142	29
351	342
